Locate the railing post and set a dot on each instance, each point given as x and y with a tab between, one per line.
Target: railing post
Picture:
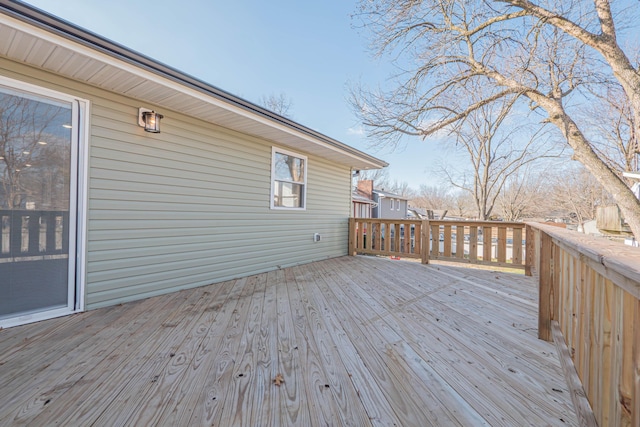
352	236
530	248
546	288
424	244
635	400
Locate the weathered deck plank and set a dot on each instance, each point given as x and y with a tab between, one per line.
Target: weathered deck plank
406	392
189	391
358	341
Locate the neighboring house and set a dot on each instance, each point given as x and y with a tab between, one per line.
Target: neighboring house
590	227
609	219
389	205
417	213
362	206
362	200
94	211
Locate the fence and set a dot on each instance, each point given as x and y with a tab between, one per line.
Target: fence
590	307
479	242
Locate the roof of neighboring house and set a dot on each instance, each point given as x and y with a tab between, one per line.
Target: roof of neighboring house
357	197
417	210
32	36
388	194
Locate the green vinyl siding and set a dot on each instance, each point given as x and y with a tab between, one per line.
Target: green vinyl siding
189	206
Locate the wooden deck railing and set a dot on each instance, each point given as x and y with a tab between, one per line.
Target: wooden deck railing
394	237
483	242
590	307
25	233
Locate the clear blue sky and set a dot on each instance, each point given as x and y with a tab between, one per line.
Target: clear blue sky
308	51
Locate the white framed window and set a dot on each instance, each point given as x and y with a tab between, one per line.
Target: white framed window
391	203
398	205
288	180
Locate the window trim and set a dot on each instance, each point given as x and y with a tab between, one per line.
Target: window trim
274	151
391	204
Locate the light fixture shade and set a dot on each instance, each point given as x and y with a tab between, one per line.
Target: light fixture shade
149	120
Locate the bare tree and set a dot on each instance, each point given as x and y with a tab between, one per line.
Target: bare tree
380	177
614	134
547	54
401	188
464	204
24	128
279	104
495	150
524	195
576	191
434	198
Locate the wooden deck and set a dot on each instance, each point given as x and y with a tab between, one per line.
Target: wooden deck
357	340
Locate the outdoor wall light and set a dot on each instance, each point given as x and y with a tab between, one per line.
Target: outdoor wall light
149	120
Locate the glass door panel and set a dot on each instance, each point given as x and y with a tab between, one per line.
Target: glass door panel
36	198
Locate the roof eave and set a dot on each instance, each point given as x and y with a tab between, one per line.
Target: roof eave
44	21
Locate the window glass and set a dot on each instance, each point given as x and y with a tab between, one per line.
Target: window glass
289	168
36	191
287	195
288	187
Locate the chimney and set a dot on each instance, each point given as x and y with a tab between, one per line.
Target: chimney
365	187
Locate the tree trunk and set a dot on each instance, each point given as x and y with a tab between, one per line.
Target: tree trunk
583	152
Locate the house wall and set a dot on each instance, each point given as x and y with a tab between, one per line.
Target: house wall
189	206
361	210
383	210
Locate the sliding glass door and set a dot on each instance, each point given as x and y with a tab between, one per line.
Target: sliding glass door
38	180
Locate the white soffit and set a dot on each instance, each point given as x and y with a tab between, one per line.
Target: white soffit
30	44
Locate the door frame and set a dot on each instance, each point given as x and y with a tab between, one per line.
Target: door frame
77	198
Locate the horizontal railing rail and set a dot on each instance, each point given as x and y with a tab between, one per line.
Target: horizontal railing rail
494	243
590	307
28	233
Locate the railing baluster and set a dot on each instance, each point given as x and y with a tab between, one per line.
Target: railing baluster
487	243
516	246
460	241
15	234
352	241
473	243
435	241
4	239
34	233
502	244
424	247
387	237
397	239
407	238
447	241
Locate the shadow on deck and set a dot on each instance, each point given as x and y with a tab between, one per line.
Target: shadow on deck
357	341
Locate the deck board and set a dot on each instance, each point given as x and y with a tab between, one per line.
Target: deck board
358	341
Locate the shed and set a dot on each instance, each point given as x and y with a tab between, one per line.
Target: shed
95	211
